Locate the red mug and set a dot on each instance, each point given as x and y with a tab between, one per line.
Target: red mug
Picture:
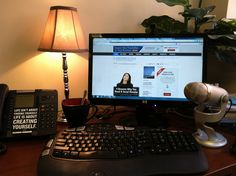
76	111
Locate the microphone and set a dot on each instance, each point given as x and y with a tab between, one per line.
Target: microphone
207	96
201	93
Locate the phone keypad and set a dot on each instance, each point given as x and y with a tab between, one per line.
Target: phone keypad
47	117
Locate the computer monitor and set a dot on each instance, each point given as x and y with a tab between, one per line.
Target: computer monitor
155	69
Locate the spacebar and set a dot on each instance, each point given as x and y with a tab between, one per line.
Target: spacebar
98	155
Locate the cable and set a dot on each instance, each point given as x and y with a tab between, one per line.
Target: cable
108	112
94	113
174	111
230	106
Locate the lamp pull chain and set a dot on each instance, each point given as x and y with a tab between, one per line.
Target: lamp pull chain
65	75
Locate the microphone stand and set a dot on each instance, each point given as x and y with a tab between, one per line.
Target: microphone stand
206	135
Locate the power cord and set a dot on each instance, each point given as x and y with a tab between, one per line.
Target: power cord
230	106
109	112
174	111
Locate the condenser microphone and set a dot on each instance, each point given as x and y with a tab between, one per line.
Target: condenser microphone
207	96
201	93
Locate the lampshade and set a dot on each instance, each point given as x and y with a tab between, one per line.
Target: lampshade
63	32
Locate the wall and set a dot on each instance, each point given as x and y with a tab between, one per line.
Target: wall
231	9
22	24
221	7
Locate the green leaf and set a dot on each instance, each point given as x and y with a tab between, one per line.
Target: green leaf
206	19
183	3
163	24
225	26
197	12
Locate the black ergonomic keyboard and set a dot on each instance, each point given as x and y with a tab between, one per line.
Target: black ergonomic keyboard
114	150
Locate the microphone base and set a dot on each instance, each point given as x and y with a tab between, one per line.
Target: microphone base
215	141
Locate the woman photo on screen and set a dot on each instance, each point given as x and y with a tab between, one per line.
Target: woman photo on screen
125	81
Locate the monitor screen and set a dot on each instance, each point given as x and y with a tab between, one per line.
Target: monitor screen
143	69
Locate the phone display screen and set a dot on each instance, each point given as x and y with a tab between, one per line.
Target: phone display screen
24	100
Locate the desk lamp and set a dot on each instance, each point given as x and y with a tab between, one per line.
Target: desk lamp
212	102
63	34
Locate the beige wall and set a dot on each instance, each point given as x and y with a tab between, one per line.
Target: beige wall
22	24
231	9
221	7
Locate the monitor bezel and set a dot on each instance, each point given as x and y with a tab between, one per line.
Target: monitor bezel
134	102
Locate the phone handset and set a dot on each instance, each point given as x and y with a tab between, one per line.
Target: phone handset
3	95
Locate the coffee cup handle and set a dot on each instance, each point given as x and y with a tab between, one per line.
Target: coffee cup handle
95	110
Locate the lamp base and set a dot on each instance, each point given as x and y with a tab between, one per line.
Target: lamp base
215	141
65	75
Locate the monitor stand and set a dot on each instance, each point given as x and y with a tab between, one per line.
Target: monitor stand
151	116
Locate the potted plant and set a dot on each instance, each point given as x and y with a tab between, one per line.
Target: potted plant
166	24
222	40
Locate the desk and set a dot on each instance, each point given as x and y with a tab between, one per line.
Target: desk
22	155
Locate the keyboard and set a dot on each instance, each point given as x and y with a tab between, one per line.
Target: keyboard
113	150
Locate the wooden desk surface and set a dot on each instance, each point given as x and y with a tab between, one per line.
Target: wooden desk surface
22	155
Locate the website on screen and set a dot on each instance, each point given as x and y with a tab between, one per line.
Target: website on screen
145	68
